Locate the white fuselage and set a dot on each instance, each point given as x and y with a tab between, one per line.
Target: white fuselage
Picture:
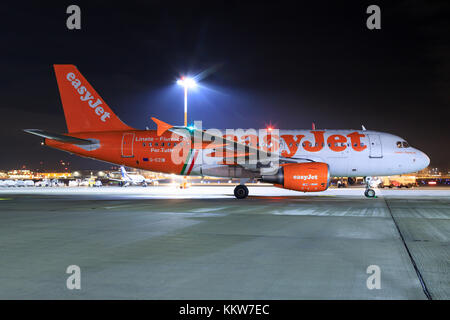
380	157
347	152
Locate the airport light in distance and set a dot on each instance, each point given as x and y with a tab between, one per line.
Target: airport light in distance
186	83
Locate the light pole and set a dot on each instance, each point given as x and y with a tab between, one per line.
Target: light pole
186	83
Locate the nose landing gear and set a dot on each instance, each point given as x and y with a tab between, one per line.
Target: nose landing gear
369	193
241	191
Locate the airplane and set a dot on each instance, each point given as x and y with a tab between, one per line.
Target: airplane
8	183
301	160
24	183
128	178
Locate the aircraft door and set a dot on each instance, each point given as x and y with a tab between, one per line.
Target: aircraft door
376	150
127	145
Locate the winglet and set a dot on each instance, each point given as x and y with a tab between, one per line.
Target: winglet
162	126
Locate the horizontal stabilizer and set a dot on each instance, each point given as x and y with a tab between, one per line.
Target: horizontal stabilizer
162	126
58	137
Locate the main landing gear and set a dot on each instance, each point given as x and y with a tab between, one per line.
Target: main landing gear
241	191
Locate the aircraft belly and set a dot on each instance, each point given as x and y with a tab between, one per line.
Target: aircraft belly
338	166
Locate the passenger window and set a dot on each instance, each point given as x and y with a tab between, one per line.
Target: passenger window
405	144
144	144
399	144
168	144
149	144
162	144
156	144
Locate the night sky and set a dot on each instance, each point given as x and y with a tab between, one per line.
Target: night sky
285	63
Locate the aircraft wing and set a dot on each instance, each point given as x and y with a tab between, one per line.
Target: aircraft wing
229	149
114	179
58	137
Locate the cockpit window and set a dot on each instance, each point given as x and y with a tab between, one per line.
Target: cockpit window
402	144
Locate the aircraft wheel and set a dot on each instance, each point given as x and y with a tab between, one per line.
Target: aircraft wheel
241	191
369	193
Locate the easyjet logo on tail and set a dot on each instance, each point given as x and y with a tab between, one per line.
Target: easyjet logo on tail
85	95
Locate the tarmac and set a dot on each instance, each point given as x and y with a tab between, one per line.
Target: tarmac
202	243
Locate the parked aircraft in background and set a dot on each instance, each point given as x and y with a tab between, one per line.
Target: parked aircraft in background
306	158
16	183
131	179
43	183
8	183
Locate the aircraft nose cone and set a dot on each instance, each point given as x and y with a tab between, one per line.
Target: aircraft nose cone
426	160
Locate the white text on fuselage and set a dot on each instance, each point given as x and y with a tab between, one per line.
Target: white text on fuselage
308	177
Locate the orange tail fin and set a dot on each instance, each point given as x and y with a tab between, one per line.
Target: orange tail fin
84	109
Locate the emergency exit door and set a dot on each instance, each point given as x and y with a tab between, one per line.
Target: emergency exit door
127	145
376	150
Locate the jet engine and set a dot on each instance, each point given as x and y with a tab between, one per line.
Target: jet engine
306	177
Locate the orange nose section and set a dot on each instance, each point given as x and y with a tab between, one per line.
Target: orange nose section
307	177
